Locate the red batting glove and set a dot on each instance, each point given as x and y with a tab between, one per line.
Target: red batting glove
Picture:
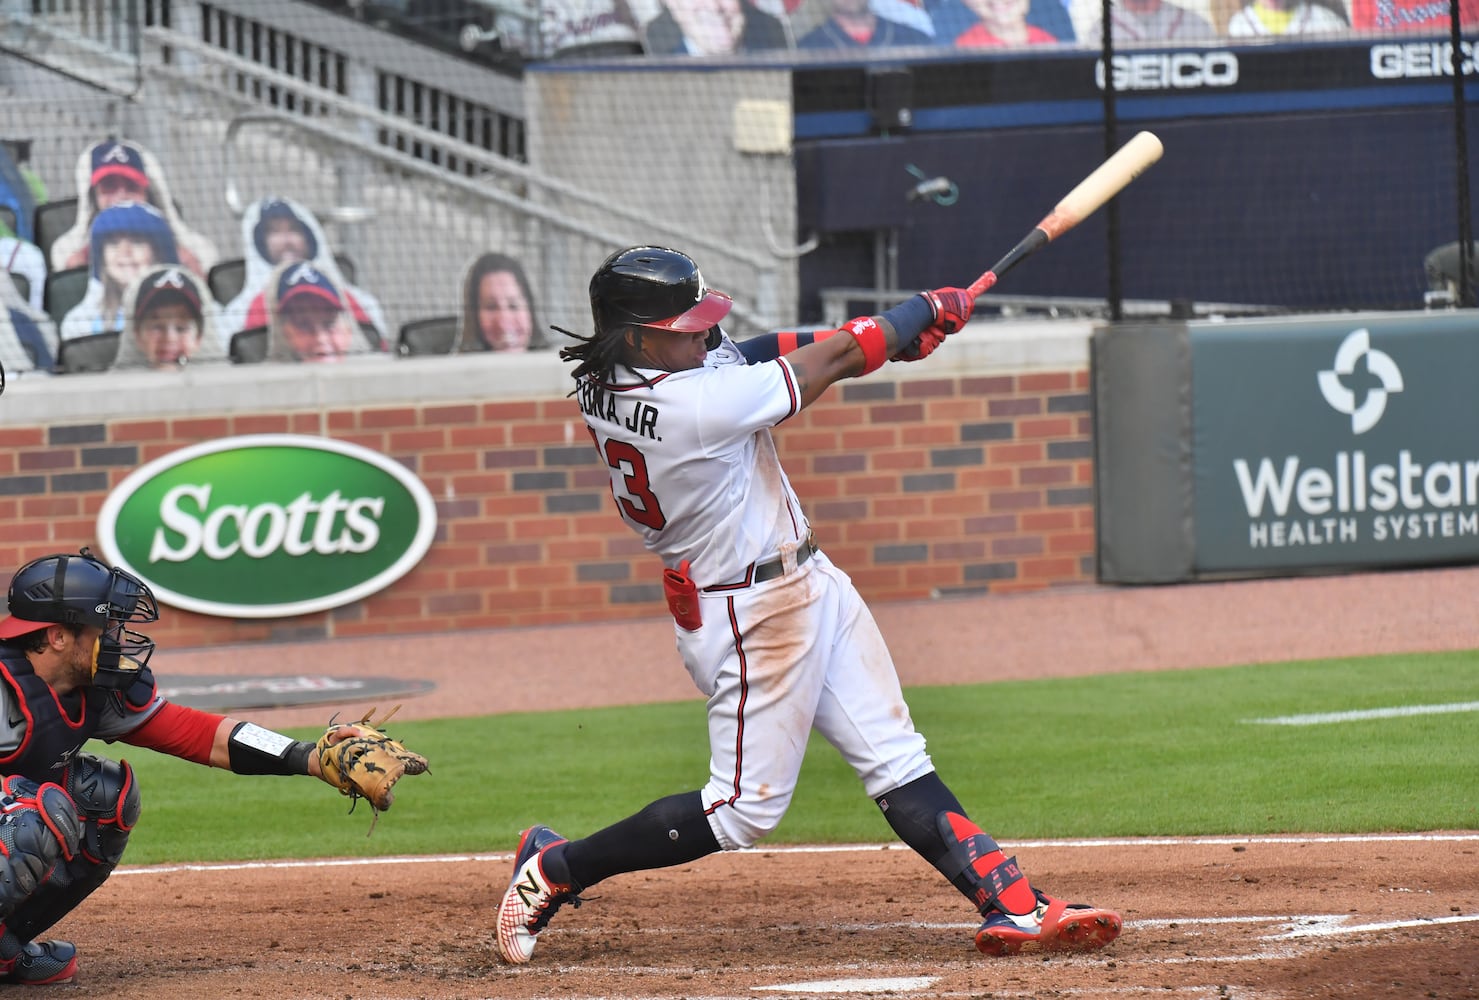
921	346
952	308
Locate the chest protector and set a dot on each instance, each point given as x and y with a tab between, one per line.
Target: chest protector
58	725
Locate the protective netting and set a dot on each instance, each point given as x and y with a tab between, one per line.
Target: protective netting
427	176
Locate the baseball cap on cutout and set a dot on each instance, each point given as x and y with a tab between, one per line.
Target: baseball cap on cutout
114	159
305	279
163	287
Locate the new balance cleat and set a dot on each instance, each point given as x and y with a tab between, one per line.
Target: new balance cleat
531	898
1053	926
40	963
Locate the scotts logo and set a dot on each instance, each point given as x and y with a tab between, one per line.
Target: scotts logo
267	526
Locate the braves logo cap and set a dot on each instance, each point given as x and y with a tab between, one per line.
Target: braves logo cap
163	287
117	159
305	279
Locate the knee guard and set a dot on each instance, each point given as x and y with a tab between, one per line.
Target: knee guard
39	826
108	799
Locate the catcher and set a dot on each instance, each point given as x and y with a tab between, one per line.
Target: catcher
72	669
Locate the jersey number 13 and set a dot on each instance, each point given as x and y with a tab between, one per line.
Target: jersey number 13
636	499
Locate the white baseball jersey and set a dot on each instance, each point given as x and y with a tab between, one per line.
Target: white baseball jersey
694	470
693	466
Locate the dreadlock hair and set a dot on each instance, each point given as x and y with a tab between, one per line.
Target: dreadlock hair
599	356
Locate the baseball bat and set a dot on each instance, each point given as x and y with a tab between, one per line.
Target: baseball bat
1107	180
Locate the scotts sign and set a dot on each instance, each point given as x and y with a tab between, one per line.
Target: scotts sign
267	526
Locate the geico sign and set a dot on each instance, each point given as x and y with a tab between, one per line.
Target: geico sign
1170	71
1417	60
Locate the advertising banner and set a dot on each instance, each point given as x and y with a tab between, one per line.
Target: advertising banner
268	525
1335	443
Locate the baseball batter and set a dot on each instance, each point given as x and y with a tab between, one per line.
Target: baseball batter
774	635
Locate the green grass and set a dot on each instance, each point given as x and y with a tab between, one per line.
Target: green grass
1163	753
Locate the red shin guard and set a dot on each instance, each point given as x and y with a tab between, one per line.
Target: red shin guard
997	879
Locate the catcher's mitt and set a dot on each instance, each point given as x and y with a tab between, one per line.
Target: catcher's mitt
366	764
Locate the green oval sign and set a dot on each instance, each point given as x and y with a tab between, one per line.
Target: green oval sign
267	525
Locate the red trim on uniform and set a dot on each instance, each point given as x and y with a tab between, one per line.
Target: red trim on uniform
56	832
786	341
180	731
720	588
635	385
739	740
20	700
792	389
795	528
128	782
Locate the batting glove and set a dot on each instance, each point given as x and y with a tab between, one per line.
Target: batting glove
952	308
921	346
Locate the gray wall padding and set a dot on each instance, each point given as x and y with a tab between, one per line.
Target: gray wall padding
1142	462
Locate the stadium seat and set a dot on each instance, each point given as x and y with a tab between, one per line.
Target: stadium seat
225	279
88	354
248	347
52	219
436	335
22	285
64	289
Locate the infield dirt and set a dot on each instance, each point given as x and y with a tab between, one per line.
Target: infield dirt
1266	918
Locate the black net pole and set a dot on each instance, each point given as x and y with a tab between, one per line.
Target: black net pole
1112	217
1461	149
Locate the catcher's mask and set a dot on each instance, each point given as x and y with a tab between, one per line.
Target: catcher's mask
656	287
80	590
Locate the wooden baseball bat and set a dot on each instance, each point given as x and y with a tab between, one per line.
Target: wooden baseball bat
1107	180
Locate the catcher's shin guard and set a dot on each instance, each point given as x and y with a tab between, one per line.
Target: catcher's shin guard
39	826
531	898
107	797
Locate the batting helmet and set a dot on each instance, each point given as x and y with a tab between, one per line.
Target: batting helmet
80	590
656	287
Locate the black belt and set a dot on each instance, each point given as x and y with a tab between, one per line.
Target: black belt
777	566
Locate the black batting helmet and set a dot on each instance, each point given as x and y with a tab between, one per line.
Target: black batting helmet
656	287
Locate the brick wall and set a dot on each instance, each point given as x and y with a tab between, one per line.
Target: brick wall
916	487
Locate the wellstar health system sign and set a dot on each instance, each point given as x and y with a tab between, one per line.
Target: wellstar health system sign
268	526
1336	443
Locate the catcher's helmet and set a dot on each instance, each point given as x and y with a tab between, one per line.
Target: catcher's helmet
657	287
80	590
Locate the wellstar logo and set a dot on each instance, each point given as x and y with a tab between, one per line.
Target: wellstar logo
1357	347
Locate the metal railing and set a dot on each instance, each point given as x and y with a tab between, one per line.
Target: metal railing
562	229
412	203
